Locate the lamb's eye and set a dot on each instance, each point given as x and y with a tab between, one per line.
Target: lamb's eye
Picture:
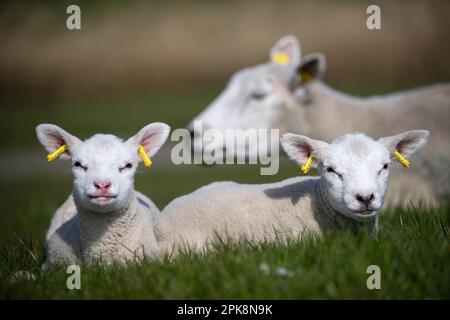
77	164
127	166
258	95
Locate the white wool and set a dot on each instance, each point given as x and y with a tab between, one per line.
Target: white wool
296	206
104	219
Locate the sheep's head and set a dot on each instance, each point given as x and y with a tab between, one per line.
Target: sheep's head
354	167
104	165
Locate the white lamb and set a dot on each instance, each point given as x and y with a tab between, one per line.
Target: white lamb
104	220
354	171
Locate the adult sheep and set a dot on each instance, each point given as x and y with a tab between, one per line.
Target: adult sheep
350	192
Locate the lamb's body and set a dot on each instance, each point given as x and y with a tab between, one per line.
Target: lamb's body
348	195
332	113
260	212
79	236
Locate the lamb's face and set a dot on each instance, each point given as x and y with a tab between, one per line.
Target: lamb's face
354	168
103	168
355	171
104	165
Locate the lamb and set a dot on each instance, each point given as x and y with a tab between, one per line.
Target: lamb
287	94
104	220
348	195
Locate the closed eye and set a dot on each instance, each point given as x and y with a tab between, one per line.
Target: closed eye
77	164
258	95
331	170
125	167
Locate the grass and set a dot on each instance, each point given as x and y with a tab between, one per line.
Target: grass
412	250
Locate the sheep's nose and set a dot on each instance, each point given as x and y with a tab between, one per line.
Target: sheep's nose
366	199
103	185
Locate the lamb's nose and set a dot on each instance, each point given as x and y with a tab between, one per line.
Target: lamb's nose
366	199
103	185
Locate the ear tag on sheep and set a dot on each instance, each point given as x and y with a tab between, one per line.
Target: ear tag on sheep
305	77
280	58
57	153
307	165
144	156
405	162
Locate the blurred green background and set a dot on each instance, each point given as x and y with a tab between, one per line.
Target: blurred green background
136	62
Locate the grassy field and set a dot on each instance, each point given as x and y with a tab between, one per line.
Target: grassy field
413	248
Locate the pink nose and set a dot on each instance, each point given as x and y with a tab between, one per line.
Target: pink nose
102	186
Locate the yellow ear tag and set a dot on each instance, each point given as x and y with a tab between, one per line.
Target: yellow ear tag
144	156
280	58
305	77
307	165
57	153
401	159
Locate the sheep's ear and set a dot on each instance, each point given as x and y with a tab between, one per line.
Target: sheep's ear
53	137
299	148
286	51
312	67
151	137
406	143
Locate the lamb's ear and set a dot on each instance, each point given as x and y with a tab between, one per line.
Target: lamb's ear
53	137
151	137
286	51
299	148
312	67
406	143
